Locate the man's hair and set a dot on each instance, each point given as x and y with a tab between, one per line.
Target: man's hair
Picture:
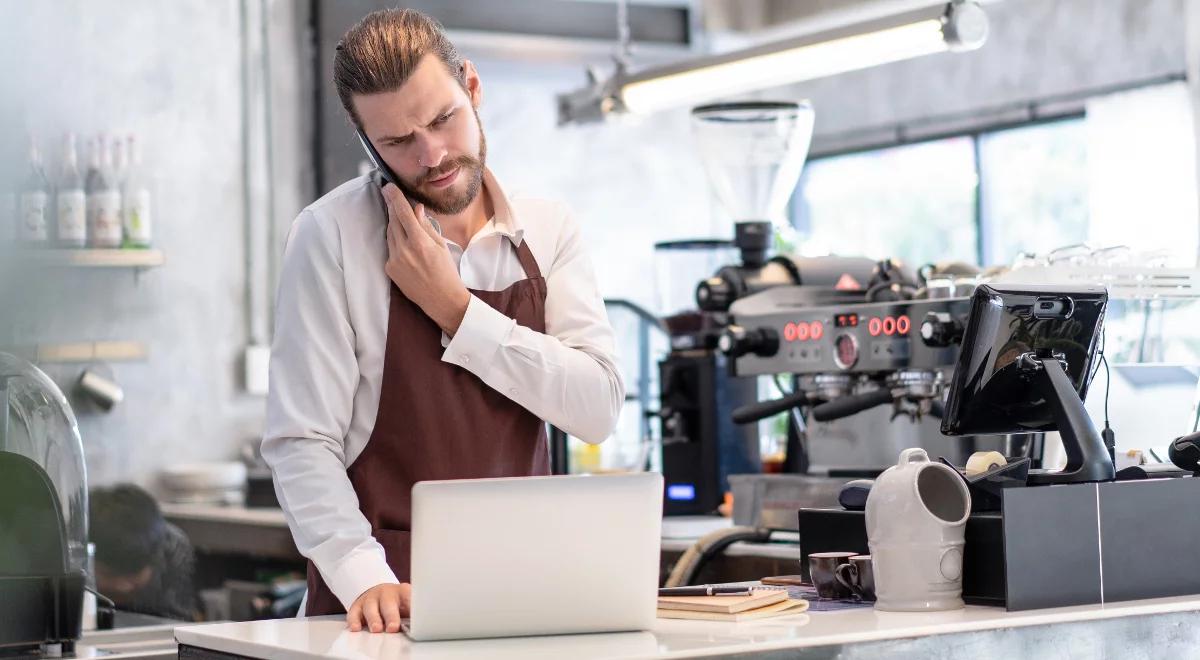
126	526
381	51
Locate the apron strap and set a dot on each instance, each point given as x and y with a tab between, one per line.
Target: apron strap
528	263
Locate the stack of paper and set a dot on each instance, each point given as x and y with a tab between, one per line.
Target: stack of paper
759	604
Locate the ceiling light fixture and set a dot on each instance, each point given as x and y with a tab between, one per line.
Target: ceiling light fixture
960	25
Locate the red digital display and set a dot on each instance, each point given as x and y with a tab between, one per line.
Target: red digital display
845	321
816	330
789	332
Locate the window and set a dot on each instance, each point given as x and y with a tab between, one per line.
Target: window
913	202
1124	173
1034	196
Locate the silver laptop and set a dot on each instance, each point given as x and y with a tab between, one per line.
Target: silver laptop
535	556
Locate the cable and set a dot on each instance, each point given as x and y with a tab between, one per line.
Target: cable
708	546
104	600
1108	435
1107	373
1107	387
624	36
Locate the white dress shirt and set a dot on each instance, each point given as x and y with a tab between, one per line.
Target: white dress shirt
331	327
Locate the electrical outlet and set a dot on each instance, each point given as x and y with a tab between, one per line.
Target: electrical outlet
257	364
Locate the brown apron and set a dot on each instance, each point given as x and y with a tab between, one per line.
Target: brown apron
438	421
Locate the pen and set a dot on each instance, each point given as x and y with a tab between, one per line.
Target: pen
704	590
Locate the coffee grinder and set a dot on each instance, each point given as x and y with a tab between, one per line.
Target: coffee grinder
753	153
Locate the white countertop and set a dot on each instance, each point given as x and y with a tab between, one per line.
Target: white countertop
327	636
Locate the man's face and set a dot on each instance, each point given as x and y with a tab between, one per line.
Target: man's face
117	584
428	132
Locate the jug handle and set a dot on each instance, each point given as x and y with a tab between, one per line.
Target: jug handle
913	455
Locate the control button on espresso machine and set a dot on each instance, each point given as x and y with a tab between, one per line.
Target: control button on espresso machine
715	294
737	341
941	329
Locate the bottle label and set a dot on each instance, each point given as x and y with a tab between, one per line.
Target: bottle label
106	219
137	218
33	226
72	218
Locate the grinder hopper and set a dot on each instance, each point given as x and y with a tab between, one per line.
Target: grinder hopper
753	152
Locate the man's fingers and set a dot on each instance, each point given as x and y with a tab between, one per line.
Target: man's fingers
395	235
427	225
371	612
354	617
390	607
399	210
406	599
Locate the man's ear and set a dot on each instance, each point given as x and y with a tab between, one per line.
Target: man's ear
471	79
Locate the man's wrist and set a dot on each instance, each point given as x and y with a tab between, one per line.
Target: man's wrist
455	310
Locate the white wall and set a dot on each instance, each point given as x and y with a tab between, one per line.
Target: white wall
171	73
630	183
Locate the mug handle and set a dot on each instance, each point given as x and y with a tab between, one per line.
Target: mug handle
913	455
850	582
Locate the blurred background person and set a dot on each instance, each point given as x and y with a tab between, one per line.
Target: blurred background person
143	563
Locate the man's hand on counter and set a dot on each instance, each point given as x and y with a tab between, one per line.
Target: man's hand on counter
419	263
380	608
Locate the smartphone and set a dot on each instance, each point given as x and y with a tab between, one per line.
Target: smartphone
385	171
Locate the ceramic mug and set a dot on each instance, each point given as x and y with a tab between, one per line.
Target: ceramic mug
916	518
858	576
822	570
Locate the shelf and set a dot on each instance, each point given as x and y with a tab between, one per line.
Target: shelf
96	258
107	351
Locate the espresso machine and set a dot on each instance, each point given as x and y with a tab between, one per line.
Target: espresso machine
43	515
753	153
861	348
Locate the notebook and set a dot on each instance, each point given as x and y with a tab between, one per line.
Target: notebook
723	604
785	607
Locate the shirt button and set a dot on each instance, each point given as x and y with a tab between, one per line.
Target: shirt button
466	359
513	391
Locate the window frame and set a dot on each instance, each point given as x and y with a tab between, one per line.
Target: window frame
975	135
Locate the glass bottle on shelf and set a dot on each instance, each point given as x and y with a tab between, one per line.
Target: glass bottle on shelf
120	164
104	199
70	202
137	198
33	226
92	182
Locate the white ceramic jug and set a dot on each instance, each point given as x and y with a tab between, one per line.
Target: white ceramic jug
916	517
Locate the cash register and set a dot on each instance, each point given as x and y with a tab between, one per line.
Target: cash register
1060	537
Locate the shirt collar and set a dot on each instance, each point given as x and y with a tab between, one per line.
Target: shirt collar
503	220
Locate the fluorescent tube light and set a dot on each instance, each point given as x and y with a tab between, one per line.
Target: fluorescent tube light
959	25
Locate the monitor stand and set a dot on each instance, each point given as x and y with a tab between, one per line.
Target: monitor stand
1087	457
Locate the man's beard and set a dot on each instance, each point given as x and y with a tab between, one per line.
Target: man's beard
450	202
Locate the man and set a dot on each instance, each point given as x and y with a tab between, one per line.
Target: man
422	333
143	563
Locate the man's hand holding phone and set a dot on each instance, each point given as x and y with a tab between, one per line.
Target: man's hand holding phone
420	264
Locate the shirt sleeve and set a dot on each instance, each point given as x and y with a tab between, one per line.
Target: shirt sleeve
313	377
567	376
